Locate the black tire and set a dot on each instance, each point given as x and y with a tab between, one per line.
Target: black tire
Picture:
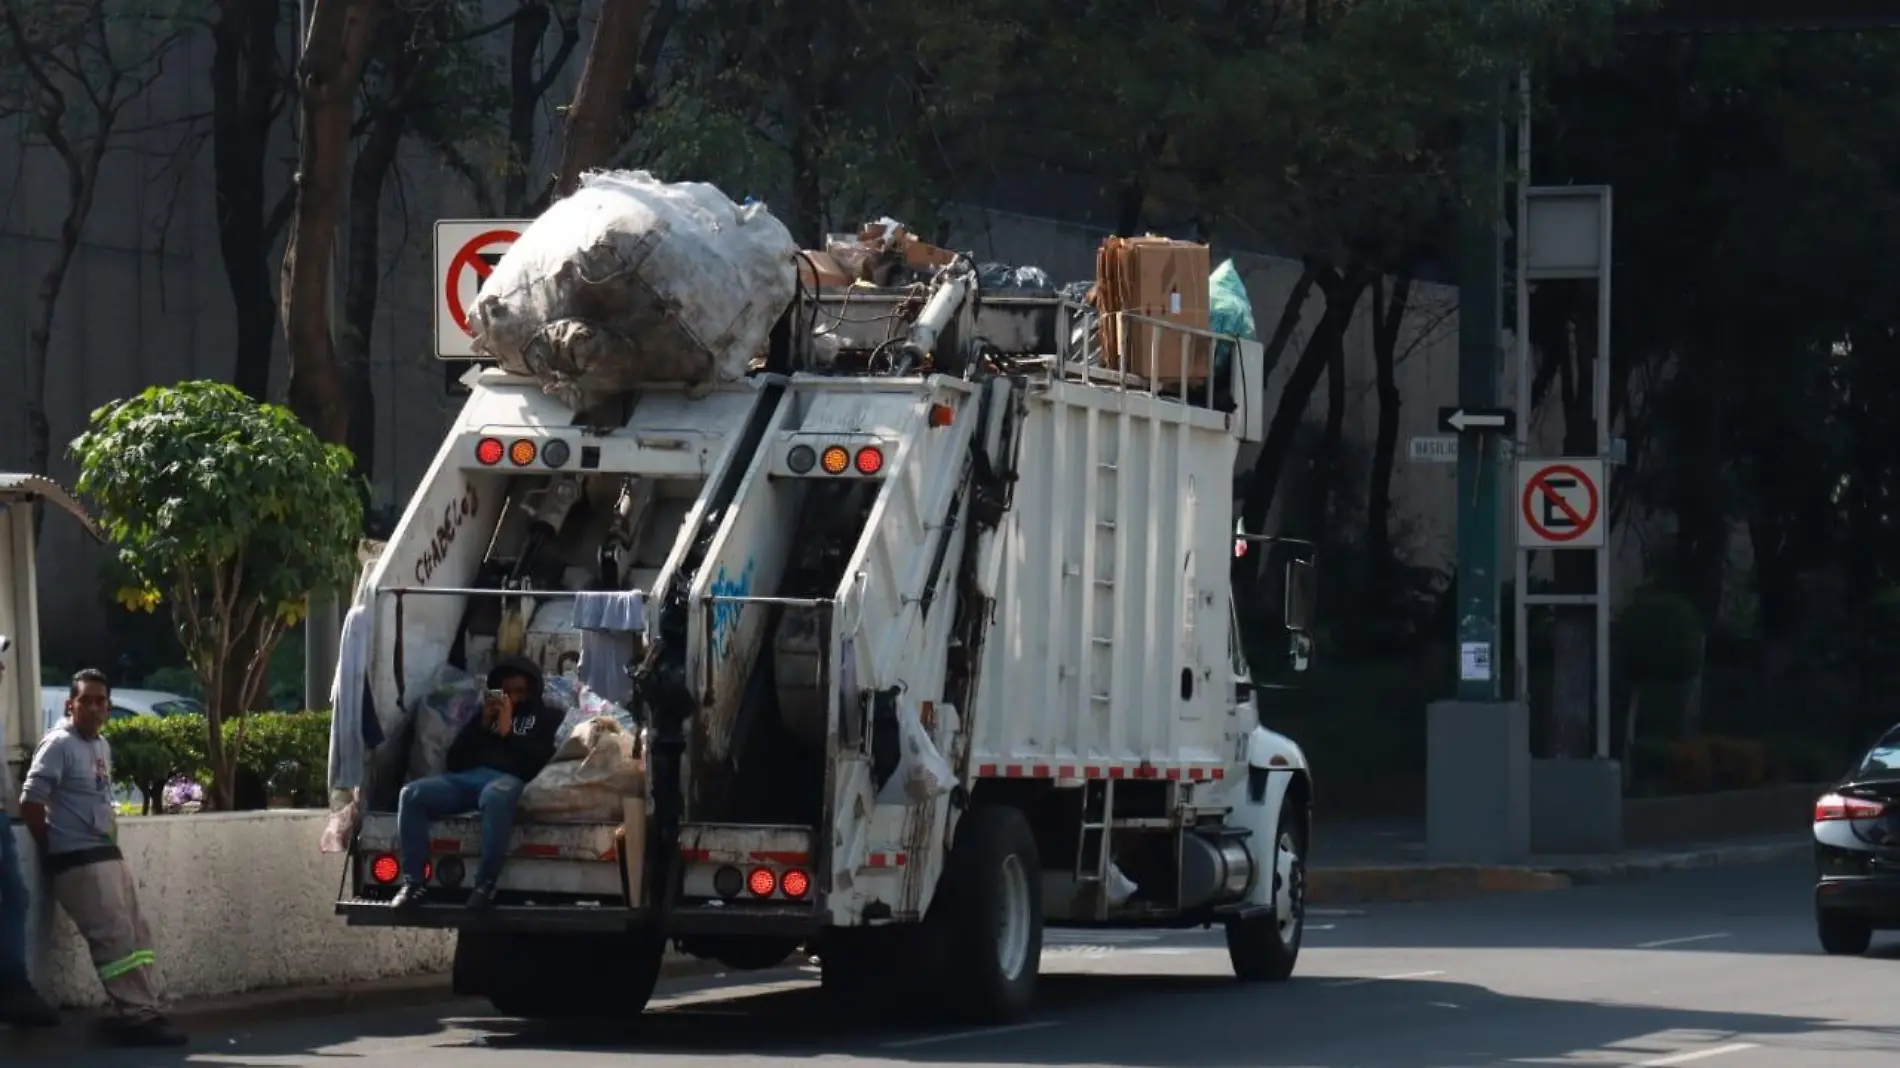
1842	935
1261	948
575	977
994	857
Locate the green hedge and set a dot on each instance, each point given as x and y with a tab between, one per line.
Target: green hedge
287	752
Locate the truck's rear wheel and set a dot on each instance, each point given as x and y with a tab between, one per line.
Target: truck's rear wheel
573	977
1264	948
988	916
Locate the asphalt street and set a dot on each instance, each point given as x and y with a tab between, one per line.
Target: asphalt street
1716	968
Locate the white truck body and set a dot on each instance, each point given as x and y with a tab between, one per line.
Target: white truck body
1029	590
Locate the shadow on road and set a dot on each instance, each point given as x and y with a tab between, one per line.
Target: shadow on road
1179	1021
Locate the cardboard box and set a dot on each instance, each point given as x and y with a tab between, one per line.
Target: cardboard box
819	270
1162	279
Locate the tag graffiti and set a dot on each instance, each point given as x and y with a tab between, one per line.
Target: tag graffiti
726	613
455	515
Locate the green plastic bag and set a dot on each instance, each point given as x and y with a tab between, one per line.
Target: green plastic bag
1229	312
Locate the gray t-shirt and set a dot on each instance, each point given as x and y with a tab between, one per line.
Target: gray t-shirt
72	777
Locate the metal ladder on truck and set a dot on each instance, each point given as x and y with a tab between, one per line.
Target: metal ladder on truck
1104	566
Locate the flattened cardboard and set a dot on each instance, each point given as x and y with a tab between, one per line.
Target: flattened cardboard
1162	279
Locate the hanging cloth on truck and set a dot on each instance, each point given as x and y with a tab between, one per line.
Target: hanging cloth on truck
610	622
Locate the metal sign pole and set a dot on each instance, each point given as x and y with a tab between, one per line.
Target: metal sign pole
1521	343
1601	384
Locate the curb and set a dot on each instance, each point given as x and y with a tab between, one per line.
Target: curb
1688	860
1402	883
407	991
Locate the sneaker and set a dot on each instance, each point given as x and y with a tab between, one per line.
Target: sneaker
22	1006
482	898
409	896
156	1031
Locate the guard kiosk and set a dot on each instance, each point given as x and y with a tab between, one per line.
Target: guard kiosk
20	718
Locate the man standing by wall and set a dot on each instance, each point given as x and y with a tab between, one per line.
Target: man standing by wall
20	1004
67	803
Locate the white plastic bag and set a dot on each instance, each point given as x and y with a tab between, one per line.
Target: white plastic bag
631	281
454	697
922	772
593	772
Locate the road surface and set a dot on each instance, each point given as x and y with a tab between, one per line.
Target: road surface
1715	968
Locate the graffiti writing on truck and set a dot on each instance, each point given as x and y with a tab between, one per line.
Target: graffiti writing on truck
455	516
726	613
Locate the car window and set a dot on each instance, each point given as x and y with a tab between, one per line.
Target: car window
121	712
1883	760
183	707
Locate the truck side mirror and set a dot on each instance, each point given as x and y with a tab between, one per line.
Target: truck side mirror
1301	579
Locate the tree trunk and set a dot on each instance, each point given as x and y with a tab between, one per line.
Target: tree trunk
245	77
1342	298
336	46
1327	453
593	120
375	158
526	90
1388	314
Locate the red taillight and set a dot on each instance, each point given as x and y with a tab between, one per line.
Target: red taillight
795	883
870	460
761	882
384	869
489	451
1836	807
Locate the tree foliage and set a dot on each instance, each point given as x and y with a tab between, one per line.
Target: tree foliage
230	512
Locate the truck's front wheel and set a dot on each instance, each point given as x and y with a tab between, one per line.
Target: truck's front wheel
1263	948
988	913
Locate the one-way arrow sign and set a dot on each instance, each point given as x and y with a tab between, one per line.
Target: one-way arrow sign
1463	420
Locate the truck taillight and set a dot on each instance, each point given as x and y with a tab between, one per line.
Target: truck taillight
522	452
489	451
870	460
835	460
761	882
384	869
795	883
801	459
1835	807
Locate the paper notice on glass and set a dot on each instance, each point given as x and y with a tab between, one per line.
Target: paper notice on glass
1474	661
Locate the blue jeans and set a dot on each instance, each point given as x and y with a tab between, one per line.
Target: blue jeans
485	790
13	904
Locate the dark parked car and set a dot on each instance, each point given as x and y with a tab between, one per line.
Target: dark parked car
1857	851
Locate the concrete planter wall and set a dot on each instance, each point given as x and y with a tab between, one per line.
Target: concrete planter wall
236	902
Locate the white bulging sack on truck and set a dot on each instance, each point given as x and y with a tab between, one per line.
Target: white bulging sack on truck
632	281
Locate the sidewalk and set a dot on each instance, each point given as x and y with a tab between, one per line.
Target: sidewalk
1358	863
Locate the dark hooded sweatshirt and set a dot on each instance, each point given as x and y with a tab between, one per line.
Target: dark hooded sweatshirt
527	748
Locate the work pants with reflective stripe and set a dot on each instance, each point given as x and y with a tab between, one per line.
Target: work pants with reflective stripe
104	906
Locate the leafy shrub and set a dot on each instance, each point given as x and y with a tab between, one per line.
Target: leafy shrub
288	752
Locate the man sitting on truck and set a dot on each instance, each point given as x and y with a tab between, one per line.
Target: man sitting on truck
497	753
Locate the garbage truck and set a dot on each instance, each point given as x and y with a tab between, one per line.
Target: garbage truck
934	646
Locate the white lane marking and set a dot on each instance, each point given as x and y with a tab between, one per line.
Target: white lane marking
1321	926
1335	912
1661	942
1696	1055
981	1032
1383	978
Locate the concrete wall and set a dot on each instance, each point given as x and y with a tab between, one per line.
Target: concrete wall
236	902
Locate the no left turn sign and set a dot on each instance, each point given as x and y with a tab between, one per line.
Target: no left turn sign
1560	504
466	251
